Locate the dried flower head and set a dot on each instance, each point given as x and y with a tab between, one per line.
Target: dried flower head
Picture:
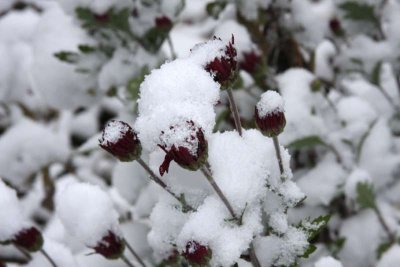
163	22
185	144
197	254
120	140
223	68
29	238
110	246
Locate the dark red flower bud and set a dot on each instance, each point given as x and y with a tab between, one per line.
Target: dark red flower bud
250	62
29	238
224	68
111	246
336	26
120	140
190	152
163	22
197	254
269	114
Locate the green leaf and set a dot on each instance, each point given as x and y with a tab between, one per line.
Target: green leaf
382	248
314	227
134	84
68	57
376	73
154	38
215	8
86	49
306	142
311	248
358	11
366	195
336	245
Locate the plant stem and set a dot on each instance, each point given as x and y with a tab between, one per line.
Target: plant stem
171	47
23	251
234	111
221	195
134	253
391	235
48	257
157	180
278	155
253	256
127	261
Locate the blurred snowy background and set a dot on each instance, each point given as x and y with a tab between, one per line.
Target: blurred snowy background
67	67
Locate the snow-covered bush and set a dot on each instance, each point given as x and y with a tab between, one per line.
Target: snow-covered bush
199	133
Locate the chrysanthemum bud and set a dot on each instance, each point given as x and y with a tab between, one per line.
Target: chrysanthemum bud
120	140
102	18
163	22
29	238
111	246
250	62
336	27
197	254
223	68
269	114
186	145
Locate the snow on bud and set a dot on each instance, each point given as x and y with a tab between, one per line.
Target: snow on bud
120	140
29	238
197	254
223	68
12	219
269	114
185	144
88	214
111	246
250	61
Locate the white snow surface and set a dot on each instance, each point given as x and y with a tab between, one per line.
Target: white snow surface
12	219
87	212
97	6
328	262
114	131
270	102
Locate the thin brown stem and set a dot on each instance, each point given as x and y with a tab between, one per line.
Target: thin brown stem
47	256
220	194
234	110
253	256
278	154
137	257
171	47
157	180
127	262
390	234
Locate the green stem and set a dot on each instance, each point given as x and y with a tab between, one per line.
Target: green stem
234	111
48	257
127	262
137	257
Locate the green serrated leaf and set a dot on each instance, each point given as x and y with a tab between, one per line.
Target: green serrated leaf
365	196
358	11
376	73
215	8
306	142
68	57
311	248
134	84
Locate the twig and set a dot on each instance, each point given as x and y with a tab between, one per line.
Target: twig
157	180
253	256
48	257
234	111
391	235
134	253
127	261
221	195
171	47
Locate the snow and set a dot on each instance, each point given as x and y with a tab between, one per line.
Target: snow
97	6
26	147
12	219
270	102
87	213
390	258
328	262
114	131
324	60
204	53
357	176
